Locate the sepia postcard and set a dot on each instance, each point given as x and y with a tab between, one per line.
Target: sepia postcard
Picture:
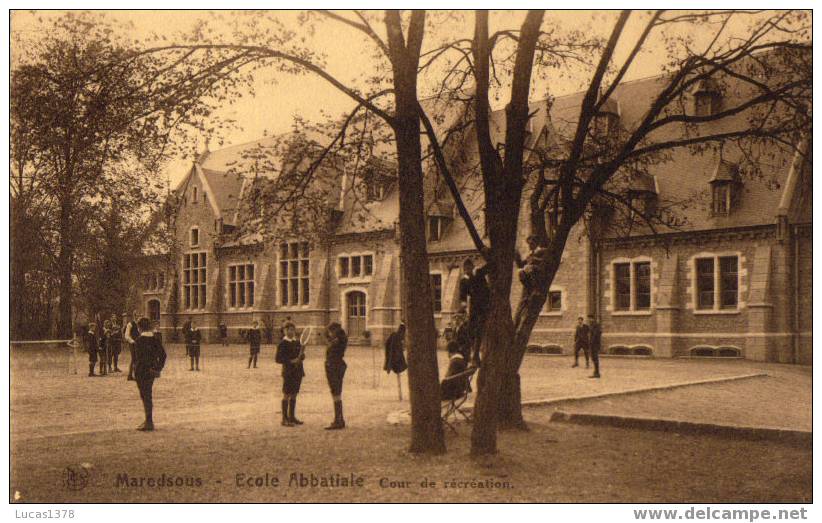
412	256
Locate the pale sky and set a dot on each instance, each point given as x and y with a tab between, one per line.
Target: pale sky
279	97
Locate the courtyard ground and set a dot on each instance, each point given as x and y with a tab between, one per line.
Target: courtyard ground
224	421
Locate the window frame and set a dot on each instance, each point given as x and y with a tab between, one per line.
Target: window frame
719	285
191	232
547	310
294	281
365	262
633	308
437	295
245	283
721	206
440	221
201	287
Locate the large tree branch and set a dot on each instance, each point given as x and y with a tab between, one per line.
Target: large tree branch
592	94
630	60
362	26
449	180
266	52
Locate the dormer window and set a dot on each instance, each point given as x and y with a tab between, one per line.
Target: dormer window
435	228
642	195
606	121
195	237
707	98
643	202
194	195
439	216
725	188
377	186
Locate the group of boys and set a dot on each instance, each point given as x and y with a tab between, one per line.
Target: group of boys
104	345
466	335
588	339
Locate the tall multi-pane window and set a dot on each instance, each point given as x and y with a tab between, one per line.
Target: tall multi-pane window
436	290
642	279
717	282
294	273
705	283
241	285
194	280
632	286
622	275
729	282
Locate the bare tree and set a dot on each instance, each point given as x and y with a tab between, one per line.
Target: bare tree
89	113
583	170
398	45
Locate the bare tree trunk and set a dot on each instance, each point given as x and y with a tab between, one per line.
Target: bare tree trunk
423	376
426	427
503	184
530	305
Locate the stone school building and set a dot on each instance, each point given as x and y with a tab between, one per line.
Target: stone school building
733	281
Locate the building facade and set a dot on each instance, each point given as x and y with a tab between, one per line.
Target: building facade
733	280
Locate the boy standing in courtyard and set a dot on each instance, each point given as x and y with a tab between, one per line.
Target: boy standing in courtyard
149	362
254	337
193	346
130	334
115	342
596	344
290	355
581	341
92	345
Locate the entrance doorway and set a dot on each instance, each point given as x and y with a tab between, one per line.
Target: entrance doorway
355	306
154	310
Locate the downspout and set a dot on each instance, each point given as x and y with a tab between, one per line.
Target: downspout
795	316
597	291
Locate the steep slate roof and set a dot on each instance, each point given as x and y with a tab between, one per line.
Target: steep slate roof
685	178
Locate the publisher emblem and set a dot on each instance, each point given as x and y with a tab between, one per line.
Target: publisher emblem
75	478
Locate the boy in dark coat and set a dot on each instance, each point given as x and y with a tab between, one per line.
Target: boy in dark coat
335	367
92	344
115	343
223	333
474	285
453	389
130	334
193	346
254	338
150	358
395	352
596	345
581	339
290	355
102	349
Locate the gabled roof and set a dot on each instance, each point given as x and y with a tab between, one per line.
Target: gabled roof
725	172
